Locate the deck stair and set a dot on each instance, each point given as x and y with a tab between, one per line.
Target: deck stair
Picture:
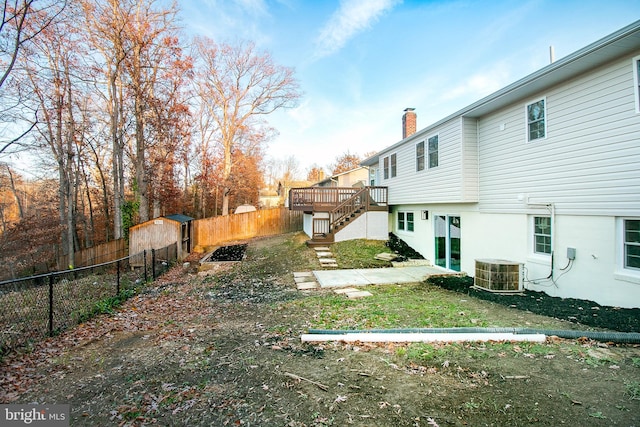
324	229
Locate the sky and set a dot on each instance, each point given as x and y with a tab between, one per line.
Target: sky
360	63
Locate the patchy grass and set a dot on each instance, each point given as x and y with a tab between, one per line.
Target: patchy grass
418	305
223	348
360	253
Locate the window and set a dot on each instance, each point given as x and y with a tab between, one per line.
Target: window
405	221
632	244
536	121
420	156
636	81
389	166
393	165
373	172
542	234
433	151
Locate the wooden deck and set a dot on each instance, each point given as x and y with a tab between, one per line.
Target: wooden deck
325	199
343	205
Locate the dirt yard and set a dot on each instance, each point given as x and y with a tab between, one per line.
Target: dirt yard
223	347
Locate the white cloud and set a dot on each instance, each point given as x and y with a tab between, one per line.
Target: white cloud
352	17
480	84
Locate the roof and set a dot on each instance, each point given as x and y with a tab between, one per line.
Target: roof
179	218
615	45
333	177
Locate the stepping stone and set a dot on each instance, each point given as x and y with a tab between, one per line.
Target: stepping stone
302	274
386	256
322	249
324	254
358	294
304	279
345	290
324	261
307	286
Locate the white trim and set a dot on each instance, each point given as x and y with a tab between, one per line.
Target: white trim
622	273
532	254
424	155
526	119
405	230
636	82
391	176
427	162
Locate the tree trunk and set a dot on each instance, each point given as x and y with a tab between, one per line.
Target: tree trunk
15	194
117	161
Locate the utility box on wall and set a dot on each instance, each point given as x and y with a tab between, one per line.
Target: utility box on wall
498	275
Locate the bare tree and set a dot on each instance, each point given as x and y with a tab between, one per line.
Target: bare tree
22	22
239	85
105	23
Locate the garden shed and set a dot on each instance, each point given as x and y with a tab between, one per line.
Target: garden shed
162	232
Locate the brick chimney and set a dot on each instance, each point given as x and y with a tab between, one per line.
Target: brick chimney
408	122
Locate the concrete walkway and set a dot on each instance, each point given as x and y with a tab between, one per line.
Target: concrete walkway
375	276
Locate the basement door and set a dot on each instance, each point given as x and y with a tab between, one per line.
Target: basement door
447	241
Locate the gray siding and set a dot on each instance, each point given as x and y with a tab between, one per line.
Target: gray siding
588	164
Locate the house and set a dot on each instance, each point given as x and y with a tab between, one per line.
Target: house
356	177
342	207
544	173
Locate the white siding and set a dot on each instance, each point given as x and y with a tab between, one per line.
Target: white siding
470	183
441	184
371	225
588	163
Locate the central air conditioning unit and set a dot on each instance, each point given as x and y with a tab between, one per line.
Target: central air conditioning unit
498	275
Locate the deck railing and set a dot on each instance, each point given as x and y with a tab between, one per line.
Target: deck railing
325	199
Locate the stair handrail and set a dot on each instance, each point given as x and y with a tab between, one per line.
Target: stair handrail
348	207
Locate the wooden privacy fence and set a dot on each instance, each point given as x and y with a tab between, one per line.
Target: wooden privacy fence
215	230
98	254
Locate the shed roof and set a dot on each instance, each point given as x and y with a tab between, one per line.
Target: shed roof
179	218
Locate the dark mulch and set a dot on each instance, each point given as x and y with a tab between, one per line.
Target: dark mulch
579	311
229	253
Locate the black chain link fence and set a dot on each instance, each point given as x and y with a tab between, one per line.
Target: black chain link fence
35	307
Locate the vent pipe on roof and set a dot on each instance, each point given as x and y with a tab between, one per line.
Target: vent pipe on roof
408	122
552	55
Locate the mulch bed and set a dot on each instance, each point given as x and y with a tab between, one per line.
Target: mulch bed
584	312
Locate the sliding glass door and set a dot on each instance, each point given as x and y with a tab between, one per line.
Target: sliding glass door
447	241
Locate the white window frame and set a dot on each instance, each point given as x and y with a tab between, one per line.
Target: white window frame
534	235
625	244
623	273
636	81
428	151
393	165
390	166
405	221
421	158
526	119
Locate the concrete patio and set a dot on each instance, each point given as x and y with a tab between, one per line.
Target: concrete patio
376	276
